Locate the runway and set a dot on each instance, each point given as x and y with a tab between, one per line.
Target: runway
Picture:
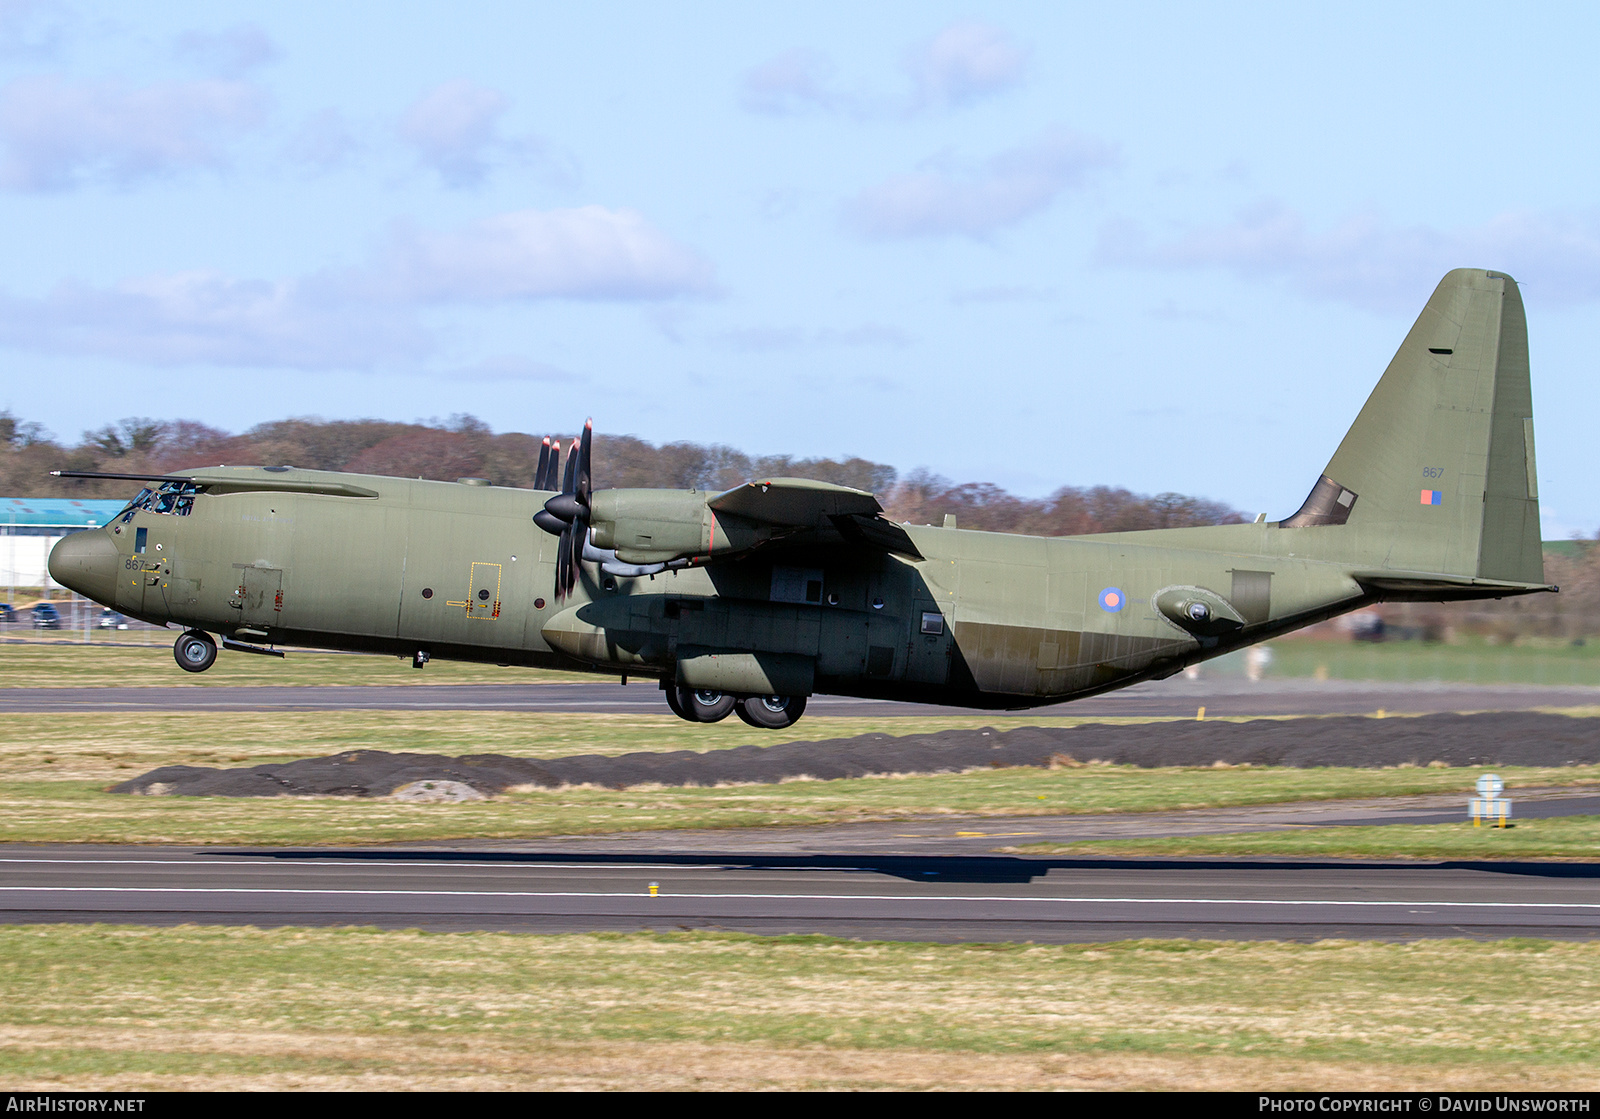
937	898
1176	697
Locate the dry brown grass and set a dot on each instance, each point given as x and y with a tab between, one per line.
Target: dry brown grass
225	1008
498	1065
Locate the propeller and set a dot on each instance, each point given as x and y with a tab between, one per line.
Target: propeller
567	513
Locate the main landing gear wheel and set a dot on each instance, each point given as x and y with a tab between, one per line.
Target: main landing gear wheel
772	712
699	706
195	651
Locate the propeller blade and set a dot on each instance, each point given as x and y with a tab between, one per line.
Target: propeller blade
547	480
563	557
580	533
582	487
568	483
544	464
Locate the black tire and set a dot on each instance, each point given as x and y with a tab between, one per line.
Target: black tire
195	651
704	706
772	712
675	701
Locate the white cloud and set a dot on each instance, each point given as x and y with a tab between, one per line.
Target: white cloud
779	338
1001	293
228	53
961	64
1371	263
585	253
793	82
513	367
974	202
455	129
205	318
368	316
31	28
324	141
56	134
964	62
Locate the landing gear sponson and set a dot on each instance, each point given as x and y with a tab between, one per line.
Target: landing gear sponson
769	712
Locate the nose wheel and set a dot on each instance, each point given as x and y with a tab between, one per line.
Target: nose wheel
195	651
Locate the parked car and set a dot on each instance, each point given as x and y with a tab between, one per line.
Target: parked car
7	614
46	616
110	619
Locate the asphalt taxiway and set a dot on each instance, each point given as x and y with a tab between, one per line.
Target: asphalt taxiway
980	897
940	880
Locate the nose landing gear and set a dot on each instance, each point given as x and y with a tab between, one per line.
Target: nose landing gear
195	651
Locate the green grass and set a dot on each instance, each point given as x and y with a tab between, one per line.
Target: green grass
128	1007
52	664
1470	661
1562	837
53	773
144	657
53	769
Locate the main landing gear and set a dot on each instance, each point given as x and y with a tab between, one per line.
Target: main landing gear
769	712
195	651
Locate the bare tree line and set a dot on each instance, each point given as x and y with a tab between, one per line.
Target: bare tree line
463	446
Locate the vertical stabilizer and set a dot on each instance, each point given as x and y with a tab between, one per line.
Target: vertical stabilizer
1437	473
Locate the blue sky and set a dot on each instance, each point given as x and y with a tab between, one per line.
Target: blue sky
1165	246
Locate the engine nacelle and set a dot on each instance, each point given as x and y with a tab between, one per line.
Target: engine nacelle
657	526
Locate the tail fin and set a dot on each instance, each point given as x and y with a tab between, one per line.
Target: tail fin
1437	473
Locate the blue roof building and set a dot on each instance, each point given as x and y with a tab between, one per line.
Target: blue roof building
54	516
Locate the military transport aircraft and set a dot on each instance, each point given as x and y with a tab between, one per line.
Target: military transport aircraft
751	600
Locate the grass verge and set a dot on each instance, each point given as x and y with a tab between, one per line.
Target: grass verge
1562	837
114	1007
54	770
51	665
143	657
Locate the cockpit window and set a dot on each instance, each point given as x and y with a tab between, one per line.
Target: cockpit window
172	498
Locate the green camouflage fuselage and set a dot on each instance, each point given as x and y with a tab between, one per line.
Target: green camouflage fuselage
460	572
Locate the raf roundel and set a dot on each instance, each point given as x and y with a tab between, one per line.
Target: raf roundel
1112	600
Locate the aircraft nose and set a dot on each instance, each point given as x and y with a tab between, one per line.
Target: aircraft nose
86	562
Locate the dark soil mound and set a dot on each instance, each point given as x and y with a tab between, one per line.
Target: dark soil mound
1511	738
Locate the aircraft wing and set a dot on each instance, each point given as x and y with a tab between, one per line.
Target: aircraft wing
795	502
804	511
